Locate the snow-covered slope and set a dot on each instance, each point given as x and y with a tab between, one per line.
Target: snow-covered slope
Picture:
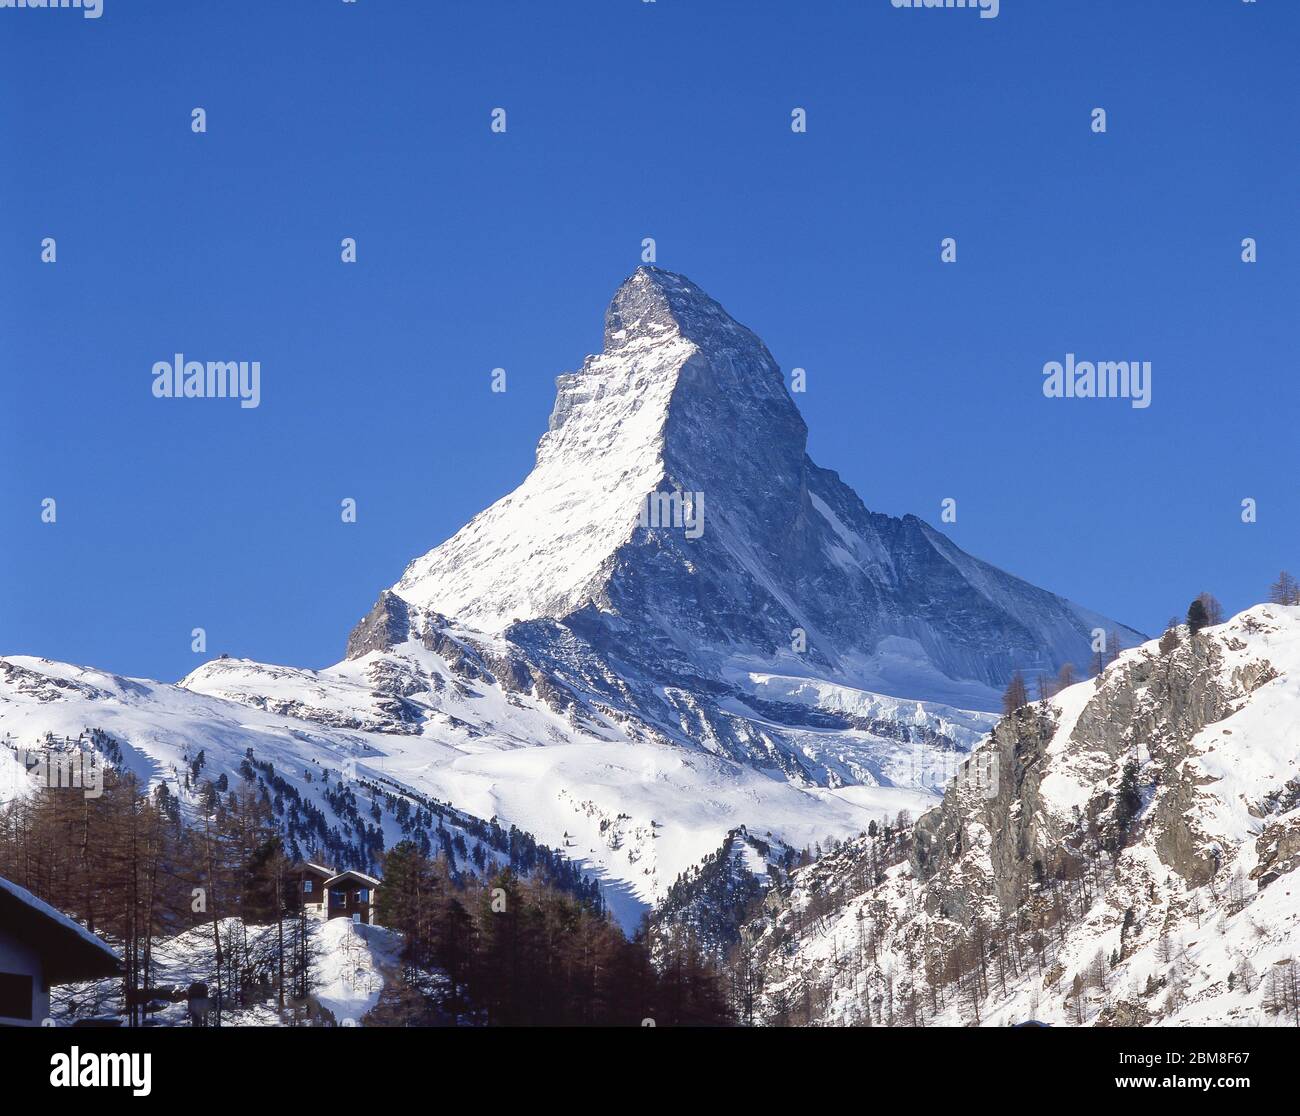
627	690
631	809
1122	854
351	966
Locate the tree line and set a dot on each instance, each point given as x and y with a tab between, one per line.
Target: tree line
1204	612
127	866
517	951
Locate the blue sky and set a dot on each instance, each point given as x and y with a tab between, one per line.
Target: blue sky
477	250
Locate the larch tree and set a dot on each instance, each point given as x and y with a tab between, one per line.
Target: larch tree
1285	590
1016	695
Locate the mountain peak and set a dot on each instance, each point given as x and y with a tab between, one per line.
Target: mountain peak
685	401
652	304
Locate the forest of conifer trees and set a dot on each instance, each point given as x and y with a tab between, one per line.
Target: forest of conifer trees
517	944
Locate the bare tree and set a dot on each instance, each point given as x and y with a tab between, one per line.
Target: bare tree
1016	695
1045	687
1065	676
1285	590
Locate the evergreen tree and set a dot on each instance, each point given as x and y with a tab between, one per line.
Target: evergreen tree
1213	609
1129	800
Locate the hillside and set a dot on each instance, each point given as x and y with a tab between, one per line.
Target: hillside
1120	854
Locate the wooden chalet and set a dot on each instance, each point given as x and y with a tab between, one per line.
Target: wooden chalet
351	895
307	889
40	947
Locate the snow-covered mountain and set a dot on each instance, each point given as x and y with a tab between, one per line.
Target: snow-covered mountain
628	680
1122	854
686	400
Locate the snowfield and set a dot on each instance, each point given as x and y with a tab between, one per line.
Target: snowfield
352	964
635	813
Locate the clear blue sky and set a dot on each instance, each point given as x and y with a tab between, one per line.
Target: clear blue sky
627	120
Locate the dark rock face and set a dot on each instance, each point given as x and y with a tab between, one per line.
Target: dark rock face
1159	703
383	627
793	546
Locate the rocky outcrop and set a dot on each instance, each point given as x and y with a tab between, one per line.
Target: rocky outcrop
1151	703
1278	852
383	627
1096	853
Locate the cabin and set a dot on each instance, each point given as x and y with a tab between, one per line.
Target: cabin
41	947
351	895
308	887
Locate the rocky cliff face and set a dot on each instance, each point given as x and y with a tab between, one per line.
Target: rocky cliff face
749	542
1150	817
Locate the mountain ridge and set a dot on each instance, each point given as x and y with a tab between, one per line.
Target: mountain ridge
684	401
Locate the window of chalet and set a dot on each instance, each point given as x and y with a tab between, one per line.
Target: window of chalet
15	996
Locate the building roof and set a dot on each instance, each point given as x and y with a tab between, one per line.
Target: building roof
67	949
361	877
319	869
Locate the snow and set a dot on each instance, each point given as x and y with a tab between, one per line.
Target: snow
1184	940
54	915
1070	783
1245	754
560	526
885	803
15	780
523	764
354	960
670	708
351	965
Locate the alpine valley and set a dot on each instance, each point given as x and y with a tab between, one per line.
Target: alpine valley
672	706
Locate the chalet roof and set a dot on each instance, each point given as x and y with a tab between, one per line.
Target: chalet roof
320	869
361	877
68	950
